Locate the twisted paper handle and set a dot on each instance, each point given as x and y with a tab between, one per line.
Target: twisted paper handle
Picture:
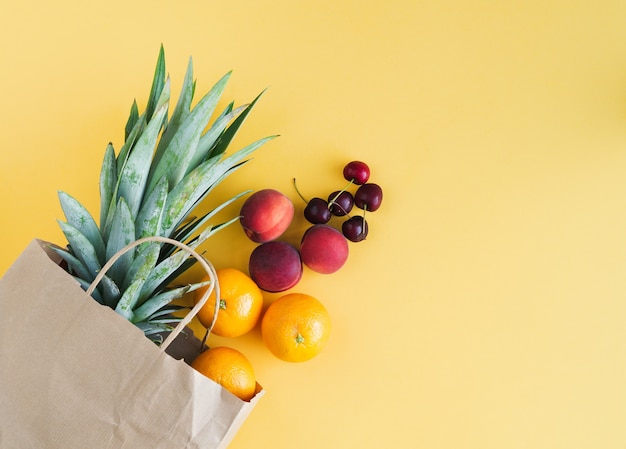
208	267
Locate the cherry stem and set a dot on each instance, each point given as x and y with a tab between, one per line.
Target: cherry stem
331	202
363	219
298	192
340	192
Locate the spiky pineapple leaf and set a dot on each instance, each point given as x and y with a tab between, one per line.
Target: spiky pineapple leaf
180	151
129	299
182	234
122	233
108	181
132	182
209	139
170	267
75	265
85	286
174	274
77	215
158	83
82	257
146	258
110	291
151	213
161	272
132	119
105	226
167	311
181	111
190	262
198	184
219	180
144	311
82	248
165	320
189	223
130	140
138	271
230	133
149	329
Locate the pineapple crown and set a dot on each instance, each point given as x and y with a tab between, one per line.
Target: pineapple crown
164	170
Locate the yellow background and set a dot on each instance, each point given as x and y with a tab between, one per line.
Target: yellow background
486	309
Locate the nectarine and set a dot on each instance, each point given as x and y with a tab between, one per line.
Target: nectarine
323	249
275	266
266	215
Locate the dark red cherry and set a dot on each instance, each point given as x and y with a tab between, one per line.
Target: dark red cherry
340	202
357	172
368	197
355	228
316	211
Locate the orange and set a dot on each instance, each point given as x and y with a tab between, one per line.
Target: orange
229	368
241	303
295	327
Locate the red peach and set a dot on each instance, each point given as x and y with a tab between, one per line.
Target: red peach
266	215
323	249
275	266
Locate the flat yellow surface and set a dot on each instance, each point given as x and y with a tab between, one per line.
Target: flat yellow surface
486	309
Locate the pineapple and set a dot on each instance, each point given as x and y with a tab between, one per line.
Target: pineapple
164	170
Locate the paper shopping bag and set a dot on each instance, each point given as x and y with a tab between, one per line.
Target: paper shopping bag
74	374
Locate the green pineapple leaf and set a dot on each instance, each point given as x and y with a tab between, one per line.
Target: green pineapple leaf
137	130
175	158
183	234
158	83
81	247
162	272
188	263
173	275
129	299
181	111
148	221
229	134
167	311
209	139
81	258
150	329
132	182
132	119
81	219
108	181
75	265
155	303
177	263
198	183
85	286
121	163
122	234
138	271
146	258
110	291
165	320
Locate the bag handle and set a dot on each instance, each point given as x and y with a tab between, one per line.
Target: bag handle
208	267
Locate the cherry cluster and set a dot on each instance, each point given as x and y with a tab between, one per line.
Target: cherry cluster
367	197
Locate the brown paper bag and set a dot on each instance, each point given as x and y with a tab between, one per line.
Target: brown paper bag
74	374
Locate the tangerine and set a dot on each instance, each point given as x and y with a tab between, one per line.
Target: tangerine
240	304
229	368
295	327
